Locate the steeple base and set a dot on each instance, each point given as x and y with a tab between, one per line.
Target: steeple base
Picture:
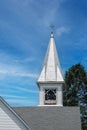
50	105
50	95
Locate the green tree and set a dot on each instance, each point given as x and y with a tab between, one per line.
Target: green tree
75	90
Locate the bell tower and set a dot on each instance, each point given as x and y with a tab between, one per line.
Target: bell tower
50	81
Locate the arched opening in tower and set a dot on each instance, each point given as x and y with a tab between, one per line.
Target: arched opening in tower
50	96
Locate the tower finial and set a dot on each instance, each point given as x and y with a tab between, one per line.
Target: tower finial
52	28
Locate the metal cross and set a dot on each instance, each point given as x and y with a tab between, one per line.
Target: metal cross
52	27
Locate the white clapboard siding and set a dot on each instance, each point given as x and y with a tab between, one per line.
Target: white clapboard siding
8	120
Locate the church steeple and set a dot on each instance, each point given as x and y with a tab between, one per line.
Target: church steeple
51	80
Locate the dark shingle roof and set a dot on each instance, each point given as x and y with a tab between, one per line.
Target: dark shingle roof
51	118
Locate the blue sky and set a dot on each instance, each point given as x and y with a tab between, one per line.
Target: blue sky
24	37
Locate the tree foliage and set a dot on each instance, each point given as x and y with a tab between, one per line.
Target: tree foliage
75	90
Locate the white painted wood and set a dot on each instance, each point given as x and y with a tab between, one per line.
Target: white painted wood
59	93
59	96
41	96
51	70
8	121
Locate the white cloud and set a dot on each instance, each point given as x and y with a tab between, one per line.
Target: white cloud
11	66
62	30
26	90
24	60
13	96
24	74
6	70
21	102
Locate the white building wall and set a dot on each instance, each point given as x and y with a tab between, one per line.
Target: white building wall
41	96
8	121
59	96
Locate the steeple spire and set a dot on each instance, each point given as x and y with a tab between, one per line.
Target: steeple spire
51	69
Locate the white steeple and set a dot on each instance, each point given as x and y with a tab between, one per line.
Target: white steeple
51	69
51	80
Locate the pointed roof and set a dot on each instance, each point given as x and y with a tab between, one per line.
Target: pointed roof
51	70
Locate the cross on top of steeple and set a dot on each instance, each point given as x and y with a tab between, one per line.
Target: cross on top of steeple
52	28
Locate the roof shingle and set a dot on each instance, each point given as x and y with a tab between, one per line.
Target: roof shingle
51	118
